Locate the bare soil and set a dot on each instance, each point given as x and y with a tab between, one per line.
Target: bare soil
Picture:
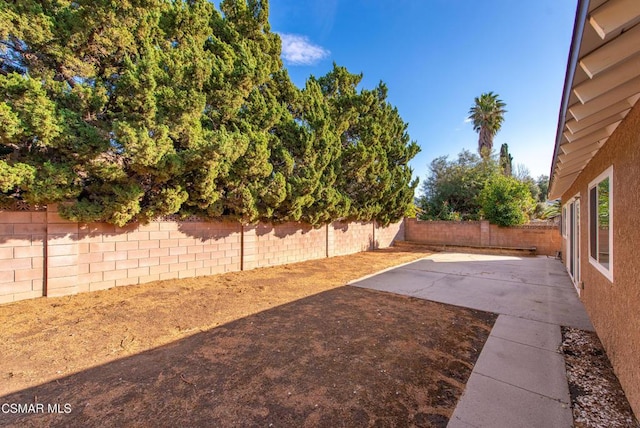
282	346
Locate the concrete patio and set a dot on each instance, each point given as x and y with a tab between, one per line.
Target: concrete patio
519	379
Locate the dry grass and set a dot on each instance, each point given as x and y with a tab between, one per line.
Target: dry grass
48	338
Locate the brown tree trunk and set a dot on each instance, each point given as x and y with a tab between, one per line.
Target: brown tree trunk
485	142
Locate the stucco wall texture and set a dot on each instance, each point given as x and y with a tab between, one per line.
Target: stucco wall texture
614	307
43	254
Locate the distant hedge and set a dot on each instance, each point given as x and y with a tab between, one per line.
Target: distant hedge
135	109
506	201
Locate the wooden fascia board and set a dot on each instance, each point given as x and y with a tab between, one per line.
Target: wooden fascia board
562	184
582	10
578	125
624	91
577	167
575	145
571	137
608	80
591	148
617	50
613	15
573	160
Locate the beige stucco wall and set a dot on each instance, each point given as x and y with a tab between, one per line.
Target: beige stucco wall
614	308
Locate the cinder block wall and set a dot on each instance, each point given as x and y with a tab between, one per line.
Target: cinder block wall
111	256
22	236
385	236
546	239
63	251
349	238
443	232
270	245
43	254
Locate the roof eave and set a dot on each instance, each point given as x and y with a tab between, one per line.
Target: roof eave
572	62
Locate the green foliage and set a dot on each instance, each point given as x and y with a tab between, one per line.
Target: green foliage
537	187
506	201
374	149
543	186
12	177
603	203
451	190
157	107
472	188
487	115
412	211
552	209
506	160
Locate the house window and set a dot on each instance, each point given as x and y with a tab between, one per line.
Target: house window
563	222
601	223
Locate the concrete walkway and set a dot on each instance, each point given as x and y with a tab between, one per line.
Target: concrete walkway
519	379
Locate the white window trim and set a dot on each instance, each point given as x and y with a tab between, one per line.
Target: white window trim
606	272
565	233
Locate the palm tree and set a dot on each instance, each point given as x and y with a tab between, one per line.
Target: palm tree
552	209
487	115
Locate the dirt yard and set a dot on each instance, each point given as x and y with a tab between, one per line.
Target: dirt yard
282	346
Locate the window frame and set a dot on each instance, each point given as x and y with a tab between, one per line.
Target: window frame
607	173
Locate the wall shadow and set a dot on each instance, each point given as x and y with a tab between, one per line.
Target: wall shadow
341	226
206	231
348	356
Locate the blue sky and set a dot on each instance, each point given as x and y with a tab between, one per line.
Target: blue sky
437	55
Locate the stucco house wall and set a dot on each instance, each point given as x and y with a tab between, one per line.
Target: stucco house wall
614	307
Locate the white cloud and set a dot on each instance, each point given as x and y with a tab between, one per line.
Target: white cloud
468	120
298	50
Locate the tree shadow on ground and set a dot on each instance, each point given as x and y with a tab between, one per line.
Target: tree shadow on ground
344	357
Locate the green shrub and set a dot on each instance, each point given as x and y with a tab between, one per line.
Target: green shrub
506	201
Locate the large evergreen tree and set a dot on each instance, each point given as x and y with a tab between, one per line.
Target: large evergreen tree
152	107
253	188
506	160
375	148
